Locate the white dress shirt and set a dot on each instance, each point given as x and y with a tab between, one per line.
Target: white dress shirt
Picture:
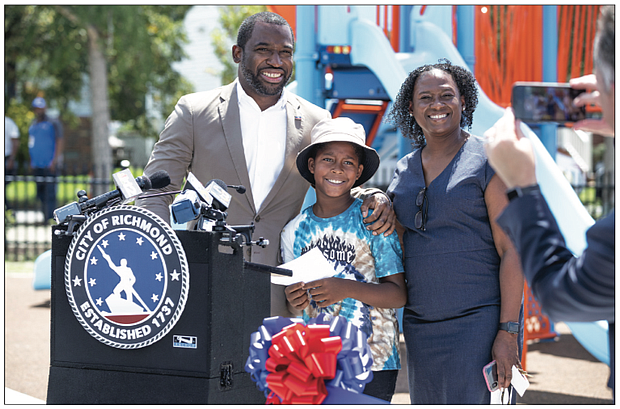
264	142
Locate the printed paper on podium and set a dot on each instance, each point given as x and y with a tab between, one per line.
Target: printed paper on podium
309	267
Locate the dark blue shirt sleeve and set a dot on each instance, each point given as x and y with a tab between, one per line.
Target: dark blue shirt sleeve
568	288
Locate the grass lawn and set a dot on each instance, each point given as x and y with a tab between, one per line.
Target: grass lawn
18	267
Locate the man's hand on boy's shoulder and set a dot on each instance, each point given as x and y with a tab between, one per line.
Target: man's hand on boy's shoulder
383	218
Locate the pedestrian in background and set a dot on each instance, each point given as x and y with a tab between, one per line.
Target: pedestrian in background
45	144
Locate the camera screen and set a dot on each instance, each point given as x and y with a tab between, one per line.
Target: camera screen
549	104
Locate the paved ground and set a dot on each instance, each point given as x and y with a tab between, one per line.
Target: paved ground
563	372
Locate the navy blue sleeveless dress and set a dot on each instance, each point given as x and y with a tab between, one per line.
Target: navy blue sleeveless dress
451	317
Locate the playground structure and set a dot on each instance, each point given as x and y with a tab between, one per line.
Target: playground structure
353	60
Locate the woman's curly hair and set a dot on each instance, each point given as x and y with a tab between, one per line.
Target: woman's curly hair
399	114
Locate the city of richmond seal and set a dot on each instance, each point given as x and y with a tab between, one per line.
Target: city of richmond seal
126	277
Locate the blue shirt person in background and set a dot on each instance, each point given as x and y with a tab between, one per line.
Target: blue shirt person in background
45	145
369	282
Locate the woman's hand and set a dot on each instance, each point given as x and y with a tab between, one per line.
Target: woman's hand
506	353
383	218
297	296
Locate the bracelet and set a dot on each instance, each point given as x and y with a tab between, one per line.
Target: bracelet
521	191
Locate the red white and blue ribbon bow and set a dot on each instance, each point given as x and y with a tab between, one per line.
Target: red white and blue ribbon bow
326	361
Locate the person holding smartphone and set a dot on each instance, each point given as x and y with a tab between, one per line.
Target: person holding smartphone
568	288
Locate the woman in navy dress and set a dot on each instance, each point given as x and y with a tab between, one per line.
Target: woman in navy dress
463	274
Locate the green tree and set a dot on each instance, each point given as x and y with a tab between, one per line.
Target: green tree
124	52
223	39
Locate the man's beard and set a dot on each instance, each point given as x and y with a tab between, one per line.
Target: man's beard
258	86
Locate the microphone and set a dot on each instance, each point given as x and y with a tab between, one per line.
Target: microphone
186	207
239	188
196	201
158	180
221	198
192	183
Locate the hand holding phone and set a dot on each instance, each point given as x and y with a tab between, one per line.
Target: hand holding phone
490	376
591	100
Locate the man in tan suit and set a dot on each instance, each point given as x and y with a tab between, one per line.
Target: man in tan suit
249	133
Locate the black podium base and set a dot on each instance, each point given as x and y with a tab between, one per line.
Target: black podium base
226	303
92	386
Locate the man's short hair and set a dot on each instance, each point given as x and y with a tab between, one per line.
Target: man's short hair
247	27
604	47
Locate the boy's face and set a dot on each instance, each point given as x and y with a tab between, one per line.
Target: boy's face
336	168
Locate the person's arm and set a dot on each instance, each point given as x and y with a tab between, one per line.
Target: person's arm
14	148
60	144
383	218
510	153
391	292
568	288
296	297
505	347
107	258
172	153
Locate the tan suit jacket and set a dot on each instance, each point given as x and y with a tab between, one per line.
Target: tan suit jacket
203	136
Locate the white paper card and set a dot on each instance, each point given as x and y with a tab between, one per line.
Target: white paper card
308	267
519	381
496	397
520	384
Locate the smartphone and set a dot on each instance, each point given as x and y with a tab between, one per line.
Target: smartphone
490	376
537	102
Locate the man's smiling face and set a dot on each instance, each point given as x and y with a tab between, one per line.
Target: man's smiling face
266	62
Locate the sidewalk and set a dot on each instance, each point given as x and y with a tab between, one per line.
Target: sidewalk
563	372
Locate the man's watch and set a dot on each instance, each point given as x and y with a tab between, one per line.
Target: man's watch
509	327
521	191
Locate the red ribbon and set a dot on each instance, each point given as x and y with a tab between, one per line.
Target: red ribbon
300	359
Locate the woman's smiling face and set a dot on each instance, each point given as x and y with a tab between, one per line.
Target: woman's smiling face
437	103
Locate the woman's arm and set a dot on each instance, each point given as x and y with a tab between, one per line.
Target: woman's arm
505	348
391	292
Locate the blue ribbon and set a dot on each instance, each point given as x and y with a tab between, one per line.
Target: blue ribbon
353	361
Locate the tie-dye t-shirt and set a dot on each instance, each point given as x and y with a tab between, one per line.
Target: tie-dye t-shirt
356	254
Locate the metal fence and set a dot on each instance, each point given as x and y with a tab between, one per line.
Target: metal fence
27	230
27	233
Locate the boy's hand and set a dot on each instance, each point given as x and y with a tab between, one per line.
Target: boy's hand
383	218
297	296
327	291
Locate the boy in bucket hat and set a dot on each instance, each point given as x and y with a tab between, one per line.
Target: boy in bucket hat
369	282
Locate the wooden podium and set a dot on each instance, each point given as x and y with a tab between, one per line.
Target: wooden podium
227	301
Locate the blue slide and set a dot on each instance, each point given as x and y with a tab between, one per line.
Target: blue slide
370	47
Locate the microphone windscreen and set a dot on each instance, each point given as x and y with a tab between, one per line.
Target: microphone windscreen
160	179
144	182
220	183
241	189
